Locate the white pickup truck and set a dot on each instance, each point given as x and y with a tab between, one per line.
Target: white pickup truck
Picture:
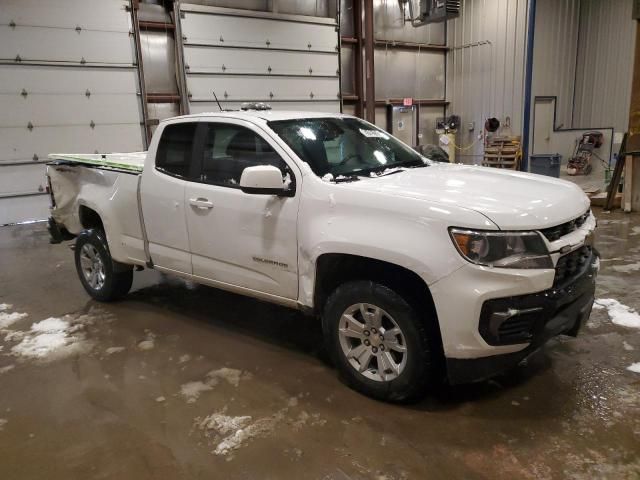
416	269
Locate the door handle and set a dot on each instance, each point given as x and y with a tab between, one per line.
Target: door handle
202	203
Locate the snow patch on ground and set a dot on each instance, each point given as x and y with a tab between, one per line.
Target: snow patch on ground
184	358
6	369
148	343
192	390
628	268
50	325
8	319
53	337
224	424
3	422
304	419
619	313
112	350
628	347
634	367
230	433
5	306
49	336
231	375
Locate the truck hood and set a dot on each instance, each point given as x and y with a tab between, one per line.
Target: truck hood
511	200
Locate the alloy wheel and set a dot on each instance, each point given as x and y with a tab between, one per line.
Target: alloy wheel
92	266
372	342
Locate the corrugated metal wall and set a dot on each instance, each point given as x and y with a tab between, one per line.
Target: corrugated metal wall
388	25
409	73
605	64
554	54
485	68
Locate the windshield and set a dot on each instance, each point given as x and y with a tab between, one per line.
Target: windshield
335	147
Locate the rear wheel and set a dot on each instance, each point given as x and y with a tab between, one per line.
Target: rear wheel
103	278
378	342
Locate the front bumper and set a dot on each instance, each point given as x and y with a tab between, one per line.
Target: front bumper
532	318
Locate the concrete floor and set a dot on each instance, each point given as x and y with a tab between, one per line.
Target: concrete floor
119	398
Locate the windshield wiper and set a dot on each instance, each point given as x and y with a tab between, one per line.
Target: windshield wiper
419	165
386	173
381	171
346	178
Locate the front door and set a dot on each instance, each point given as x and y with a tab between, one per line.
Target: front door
240	239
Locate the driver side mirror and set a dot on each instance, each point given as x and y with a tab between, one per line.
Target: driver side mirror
264	180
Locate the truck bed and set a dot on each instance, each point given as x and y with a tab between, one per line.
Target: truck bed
86	187
130	162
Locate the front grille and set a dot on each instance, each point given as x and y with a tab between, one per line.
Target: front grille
571	265
555	233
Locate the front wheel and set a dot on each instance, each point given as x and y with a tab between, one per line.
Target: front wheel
378	342
102	278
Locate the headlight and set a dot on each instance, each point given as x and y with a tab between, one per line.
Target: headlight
502	249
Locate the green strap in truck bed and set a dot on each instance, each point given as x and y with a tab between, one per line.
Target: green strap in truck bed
130	162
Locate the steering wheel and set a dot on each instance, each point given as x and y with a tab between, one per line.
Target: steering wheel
348	158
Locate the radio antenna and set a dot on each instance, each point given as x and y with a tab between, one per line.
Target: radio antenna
214	96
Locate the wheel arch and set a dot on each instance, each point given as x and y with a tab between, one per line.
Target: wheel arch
334	269
90	218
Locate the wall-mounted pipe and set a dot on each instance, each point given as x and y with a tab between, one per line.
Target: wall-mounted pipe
370	82
528	77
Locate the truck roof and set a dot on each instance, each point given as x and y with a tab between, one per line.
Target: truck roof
266	115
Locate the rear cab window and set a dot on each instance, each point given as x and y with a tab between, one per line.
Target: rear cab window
175	150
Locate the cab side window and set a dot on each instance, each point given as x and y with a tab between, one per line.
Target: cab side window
175	150
229	149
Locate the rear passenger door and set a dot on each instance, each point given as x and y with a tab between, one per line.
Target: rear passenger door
239	239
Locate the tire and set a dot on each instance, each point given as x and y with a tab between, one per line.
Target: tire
104	279
407	374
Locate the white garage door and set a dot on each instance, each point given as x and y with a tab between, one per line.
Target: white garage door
288	61
68	83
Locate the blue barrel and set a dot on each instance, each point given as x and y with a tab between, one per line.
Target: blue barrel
547	164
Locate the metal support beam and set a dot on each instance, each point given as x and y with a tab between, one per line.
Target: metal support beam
417	47
358	58
528	92
633	142
181	73
143	90
369	44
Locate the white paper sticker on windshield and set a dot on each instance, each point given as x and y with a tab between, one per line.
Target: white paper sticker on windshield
374	134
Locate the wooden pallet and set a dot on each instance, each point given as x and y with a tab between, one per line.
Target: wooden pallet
502	152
